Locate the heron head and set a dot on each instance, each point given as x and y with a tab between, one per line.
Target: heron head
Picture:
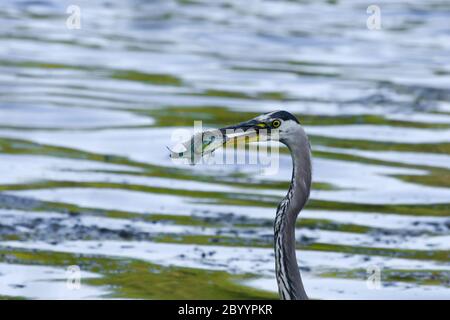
275	125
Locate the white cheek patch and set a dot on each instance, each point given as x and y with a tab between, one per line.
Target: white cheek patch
288	126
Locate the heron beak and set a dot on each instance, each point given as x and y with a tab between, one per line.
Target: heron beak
245	132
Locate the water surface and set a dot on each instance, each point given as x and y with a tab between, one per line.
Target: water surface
85	177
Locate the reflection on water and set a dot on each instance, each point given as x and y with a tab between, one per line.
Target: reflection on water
85	116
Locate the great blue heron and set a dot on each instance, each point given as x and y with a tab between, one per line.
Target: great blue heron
289	132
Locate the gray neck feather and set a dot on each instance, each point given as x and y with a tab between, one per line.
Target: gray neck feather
290	285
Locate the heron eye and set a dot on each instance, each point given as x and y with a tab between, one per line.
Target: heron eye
276	123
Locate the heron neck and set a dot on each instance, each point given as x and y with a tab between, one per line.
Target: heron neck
289	280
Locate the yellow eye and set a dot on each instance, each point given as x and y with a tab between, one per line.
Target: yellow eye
276	123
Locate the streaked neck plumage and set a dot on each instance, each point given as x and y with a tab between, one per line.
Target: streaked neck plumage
290	285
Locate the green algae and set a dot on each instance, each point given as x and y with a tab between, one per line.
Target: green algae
136	279
434	255
153	78
418	277
218	116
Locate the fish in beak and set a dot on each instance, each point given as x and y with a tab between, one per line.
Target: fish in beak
206	142
199	145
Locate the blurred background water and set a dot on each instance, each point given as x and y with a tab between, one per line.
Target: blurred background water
85	115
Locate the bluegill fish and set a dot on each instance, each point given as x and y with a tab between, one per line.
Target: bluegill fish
199	145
